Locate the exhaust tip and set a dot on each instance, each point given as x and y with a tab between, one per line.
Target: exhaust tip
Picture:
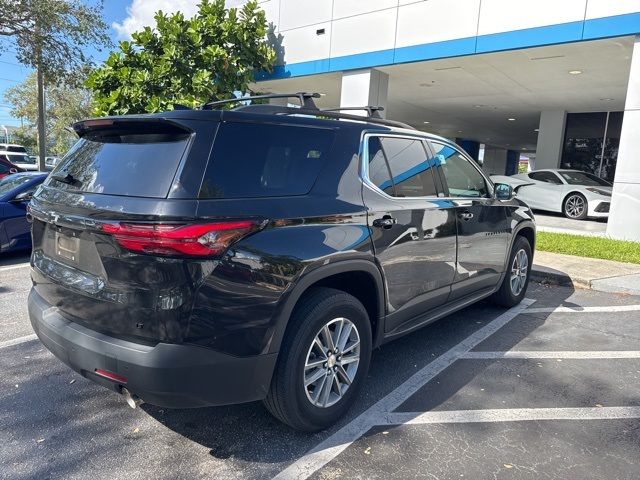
132	400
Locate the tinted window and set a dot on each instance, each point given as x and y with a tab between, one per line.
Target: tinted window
18	158
548	177
13	148
463	179
123	162
261	160
583	178
378	170
411	168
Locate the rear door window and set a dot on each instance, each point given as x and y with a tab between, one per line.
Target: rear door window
411	167
263	160
138	162
379	172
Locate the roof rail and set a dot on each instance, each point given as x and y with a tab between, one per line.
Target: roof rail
306	99
372	110
315	112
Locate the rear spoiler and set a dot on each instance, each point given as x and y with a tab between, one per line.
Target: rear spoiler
153	124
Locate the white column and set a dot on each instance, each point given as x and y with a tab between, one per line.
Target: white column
624	219
550	139
363	88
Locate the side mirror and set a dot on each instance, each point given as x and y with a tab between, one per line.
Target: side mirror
23	197
504	191
13	170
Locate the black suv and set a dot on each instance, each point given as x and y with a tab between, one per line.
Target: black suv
209	257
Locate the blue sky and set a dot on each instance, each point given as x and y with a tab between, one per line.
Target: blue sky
123	16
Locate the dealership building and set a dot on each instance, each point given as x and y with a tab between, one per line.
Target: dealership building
555	81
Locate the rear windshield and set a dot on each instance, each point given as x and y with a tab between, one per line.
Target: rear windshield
13	181
16	158
131	162
583	178
14	148
263	160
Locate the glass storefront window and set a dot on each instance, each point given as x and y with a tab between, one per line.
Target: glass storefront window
583	141
585	134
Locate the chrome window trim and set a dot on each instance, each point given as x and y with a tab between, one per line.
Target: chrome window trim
364	162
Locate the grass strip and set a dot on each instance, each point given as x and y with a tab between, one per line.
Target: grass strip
592	247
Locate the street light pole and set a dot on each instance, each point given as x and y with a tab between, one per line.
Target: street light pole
42	148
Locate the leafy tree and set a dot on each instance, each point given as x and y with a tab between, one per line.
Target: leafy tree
49	36
65	105
184	61
25	136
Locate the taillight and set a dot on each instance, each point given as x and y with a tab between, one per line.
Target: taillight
200	240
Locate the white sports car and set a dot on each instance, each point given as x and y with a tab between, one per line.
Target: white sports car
576	194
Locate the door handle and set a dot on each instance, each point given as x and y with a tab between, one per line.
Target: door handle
385	222
465	216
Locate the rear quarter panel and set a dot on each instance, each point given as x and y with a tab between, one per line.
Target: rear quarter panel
237	307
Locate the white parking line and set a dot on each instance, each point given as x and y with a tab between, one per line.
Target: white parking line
18	341
330	448
510	415
14	267
577	355
615	308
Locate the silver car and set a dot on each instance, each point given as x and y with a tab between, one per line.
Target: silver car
576	194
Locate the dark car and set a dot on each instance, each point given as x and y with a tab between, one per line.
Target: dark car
208	257
15	193
6	167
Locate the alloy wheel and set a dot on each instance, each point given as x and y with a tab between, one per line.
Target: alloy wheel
332	362
519	269
575	206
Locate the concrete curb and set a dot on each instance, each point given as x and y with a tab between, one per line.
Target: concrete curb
582	272
549	276
624	284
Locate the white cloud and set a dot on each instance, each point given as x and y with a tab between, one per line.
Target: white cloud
141	12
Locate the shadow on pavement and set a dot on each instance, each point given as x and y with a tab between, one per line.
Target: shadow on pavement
14	258
89	432
248	432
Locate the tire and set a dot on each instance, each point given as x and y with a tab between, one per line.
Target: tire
575	206
289	399
507	295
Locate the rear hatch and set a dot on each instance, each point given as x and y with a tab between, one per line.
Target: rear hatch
100	225
134	219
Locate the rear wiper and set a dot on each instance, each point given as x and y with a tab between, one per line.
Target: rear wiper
66	178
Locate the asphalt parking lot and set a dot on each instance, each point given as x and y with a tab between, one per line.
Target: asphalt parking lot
548	389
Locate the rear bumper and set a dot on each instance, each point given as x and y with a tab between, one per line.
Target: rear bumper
167	375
